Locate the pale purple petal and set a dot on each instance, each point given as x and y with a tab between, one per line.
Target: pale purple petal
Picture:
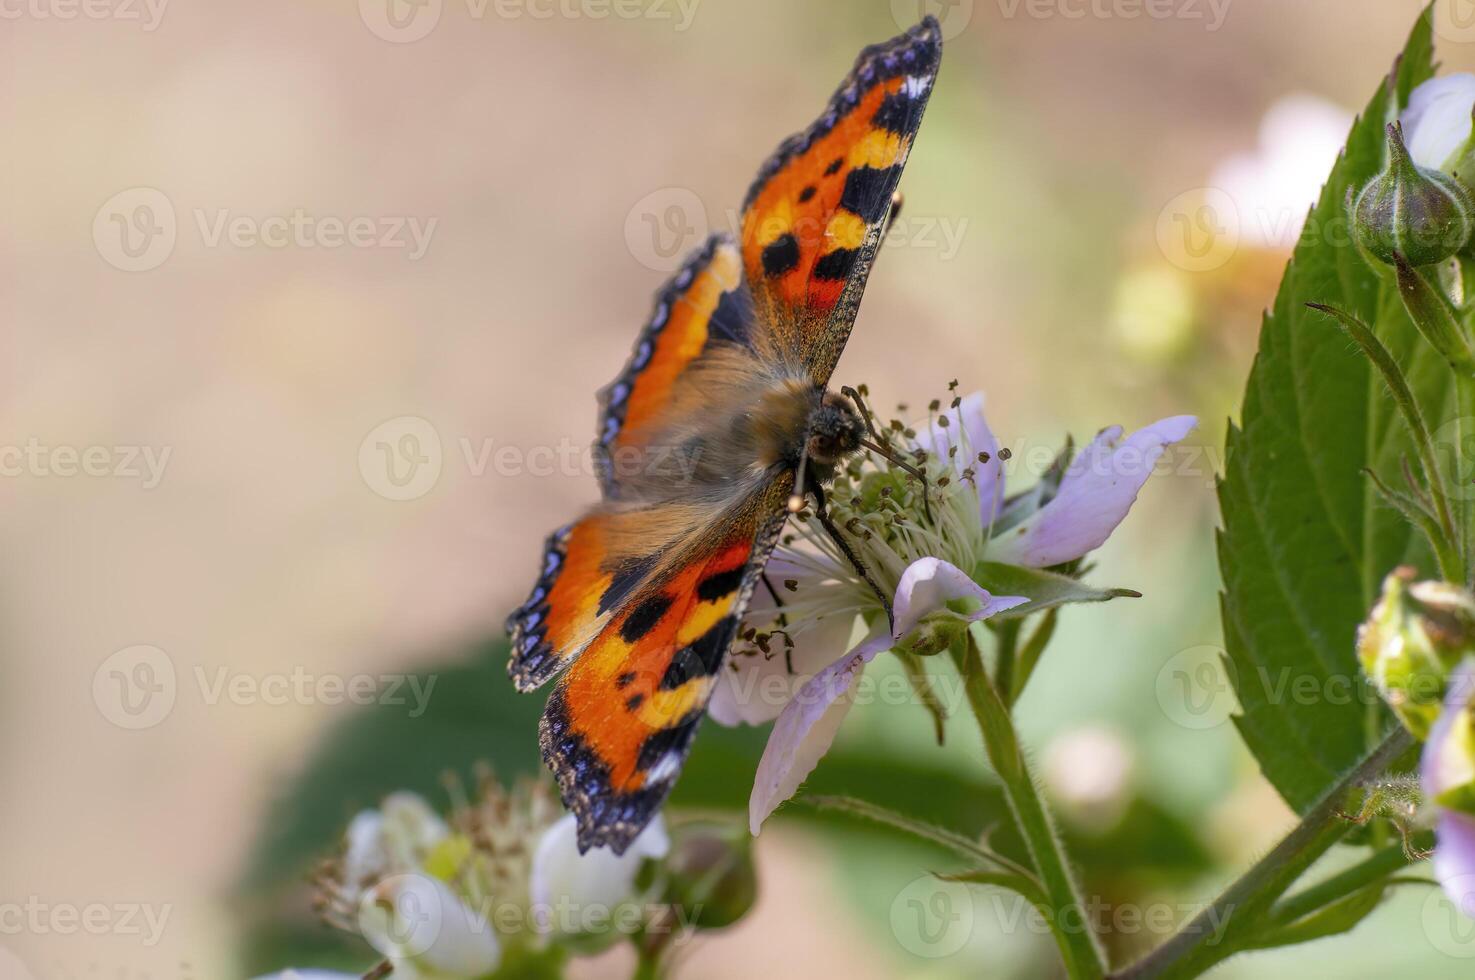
1441	769
1437	120
1454	859
753	689
1095	494
806	728
976	437
929	584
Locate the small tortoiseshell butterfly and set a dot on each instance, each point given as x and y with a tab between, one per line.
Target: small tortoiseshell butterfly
641	598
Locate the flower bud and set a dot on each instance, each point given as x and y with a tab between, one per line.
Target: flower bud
710	875
1424	215
1415	634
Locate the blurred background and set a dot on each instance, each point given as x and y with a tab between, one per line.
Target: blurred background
305	304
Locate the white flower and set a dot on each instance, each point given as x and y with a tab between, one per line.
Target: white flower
444	899
1436	124
925	557
418	923
563	880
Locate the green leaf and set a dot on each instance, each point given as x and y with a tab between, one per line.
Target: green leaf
1045	589
1306	537
1331	920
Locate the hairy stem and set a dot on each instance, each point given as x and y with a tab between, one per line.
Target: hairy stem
1067	912
1205	940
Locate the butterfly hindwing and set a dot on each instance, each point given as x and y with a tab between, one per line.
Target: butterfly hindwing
618	725
813	219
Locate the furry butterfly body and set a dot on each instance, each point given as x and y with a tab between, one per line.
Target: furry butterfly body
702	442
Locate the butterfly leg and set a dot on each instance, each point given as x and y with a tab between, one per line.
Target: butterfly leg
783	622
822	512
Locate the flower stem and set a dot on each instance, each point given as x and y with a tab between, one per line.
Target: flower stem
1207	940
1067	913
1462	489
1374	868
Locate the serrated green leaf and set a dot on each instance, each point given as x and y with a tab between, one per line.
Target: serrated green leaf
1306	537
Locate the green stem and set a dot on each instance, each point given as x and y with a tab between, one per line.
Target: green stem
1206	940
1029	655
1008	643
1067	912
1461	487
1372	869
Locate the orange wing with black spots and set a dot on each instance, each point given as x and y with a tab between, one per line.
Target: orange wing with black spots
618	725
813	219
641	598
705	303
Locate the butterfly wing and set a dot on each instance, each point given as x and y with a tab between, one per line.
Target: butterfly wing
814	218
705	305
617	727
591	566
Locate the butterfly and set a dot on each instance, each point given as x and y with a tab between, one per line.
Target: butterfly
718	427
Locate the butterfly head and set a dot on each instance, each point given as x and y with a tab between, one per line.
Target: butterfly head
835	430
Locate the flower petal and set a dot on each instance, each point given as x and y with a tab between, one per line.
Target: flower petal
563	878
929	584
976	437
1442	765
1454	859
752	690
806	728
1437	120
1095	494
417	918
